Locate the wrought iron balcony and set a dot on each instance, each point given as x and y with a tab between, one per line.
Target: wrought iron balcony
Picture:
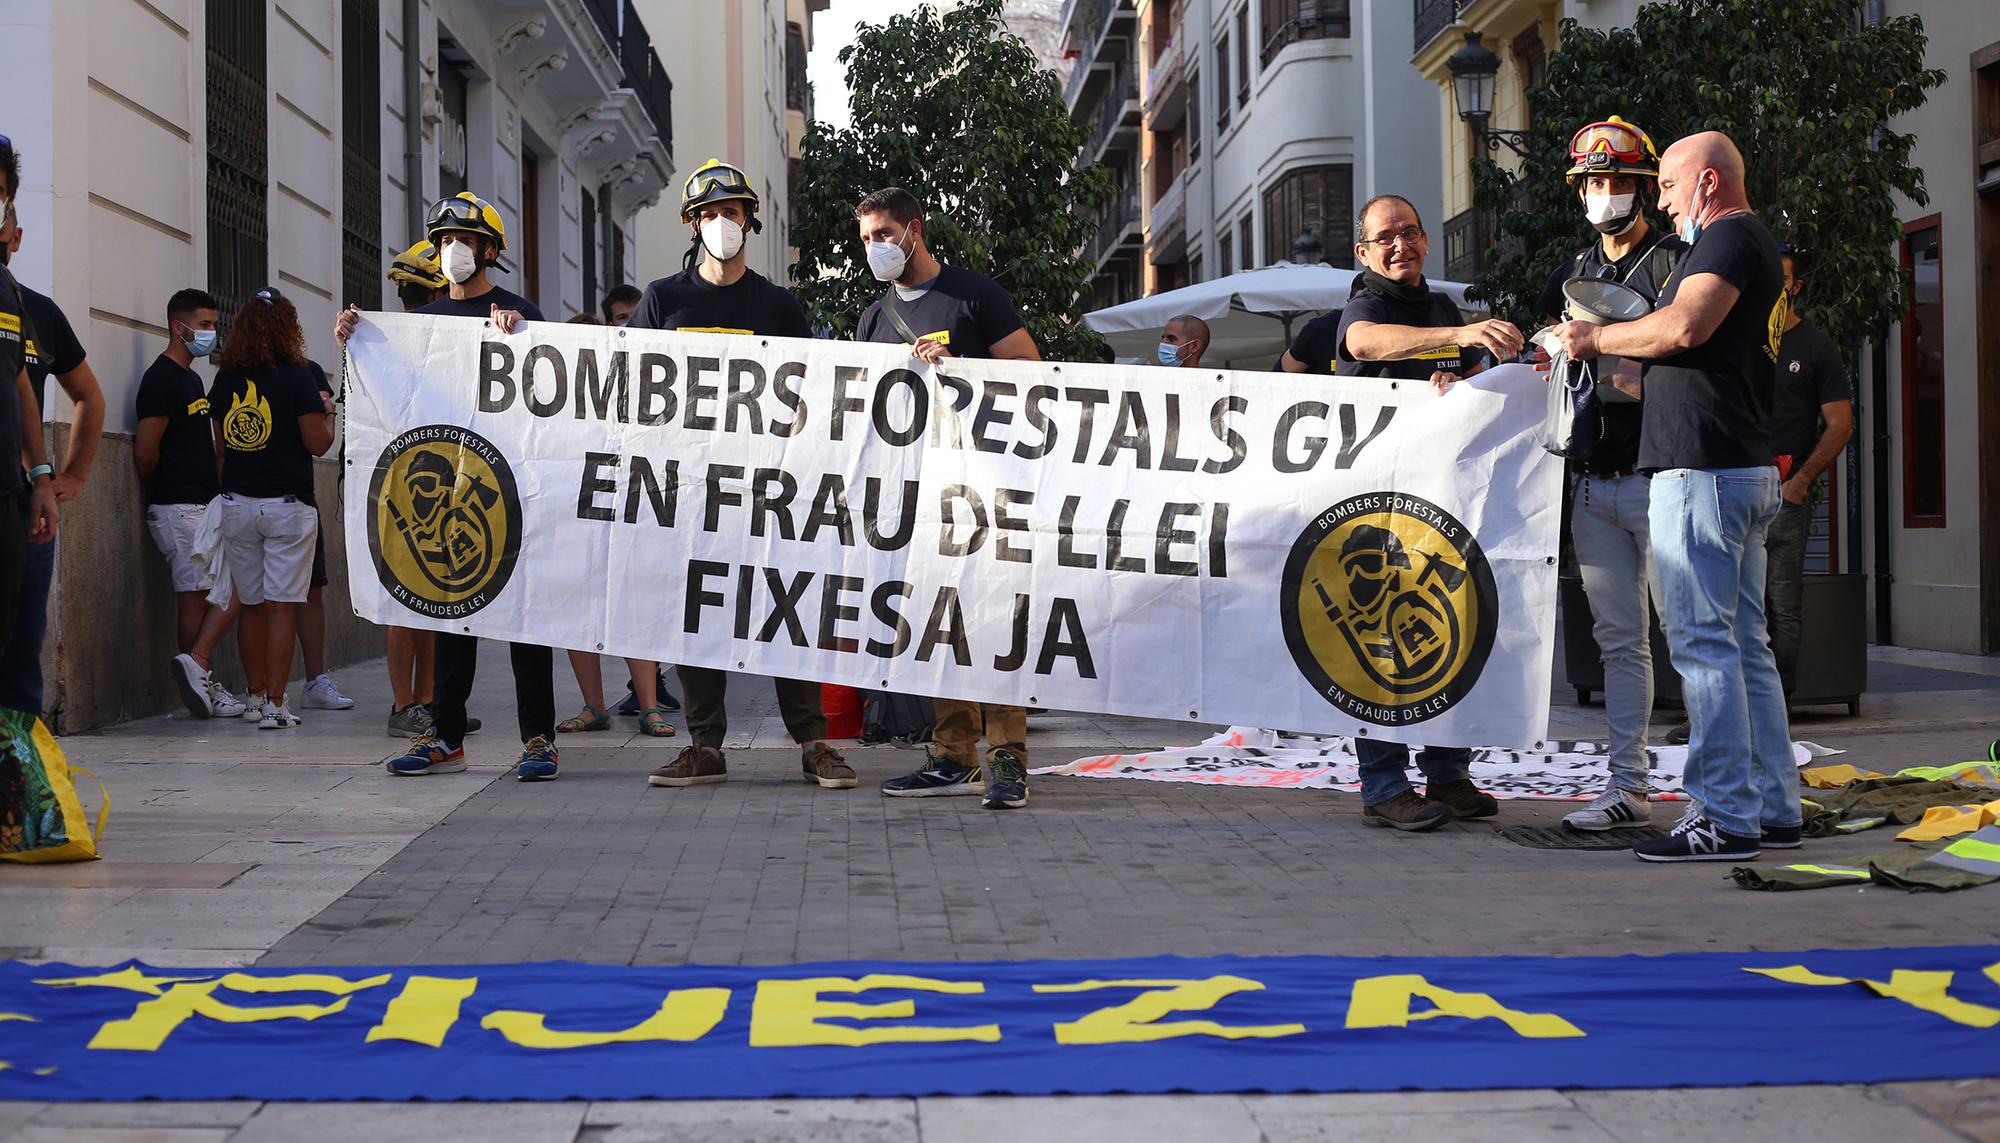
1118	115
1432	18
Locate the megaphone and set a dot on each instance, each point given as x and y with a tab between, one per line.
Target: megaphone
1601	301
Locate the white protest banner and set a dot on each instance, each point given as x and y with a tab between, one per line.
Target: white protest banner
1343	555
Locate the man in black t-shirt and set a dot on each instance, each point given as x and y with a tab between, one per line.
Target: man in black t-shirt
470	238
27	500
719	293
1810	387
54	351
1396	326
943	311
1709	350
1611	164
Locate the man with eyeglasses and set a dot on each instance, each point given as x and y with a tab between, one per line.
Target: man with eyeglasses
1395	326
1611	162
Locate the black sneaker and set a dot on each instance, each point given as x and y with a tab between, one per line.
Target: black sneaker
1006	781
1697	839
939	778
1781	837
1679	735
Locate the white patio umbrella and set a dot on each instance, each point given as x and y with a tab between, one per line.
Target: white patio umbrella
1252	316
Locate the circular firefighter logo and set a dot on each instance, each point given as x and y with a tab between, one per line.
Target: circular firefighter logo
1389	607
445	528
247	424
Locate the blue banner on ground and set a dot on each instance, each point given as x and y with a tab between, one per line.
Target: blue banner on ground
1159	1024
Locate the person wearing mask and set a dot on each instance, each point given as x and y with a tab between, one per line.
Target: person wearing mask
419	281
717	292
273	415
1709	349
1613	167
619	302
940	312
1183	341
28	509
55	351
470	238
1395	326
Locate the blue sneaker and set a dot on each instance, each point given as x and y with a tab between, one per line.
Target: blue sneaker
538	761
428	754
629	705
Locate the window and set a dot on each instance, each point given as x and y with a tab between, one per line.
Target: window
361	153
1194	267
1289	21
798	93
588	213
1317	199
530	242
1242	55
1245	243
238	226
1194	114
1225	253
1923	377
1222	81
1531	59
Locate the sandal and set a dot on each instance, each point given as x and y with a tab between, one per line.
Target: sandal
591	719
653	722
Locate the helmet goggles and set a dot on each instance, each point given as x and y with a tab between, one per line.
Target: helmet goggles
716	181
1612	147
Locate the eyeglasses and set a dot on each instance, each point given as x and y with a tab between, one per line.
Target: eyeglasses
1385	241
1620	141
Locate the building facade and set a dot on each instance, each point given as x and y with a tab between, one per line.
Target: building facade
234	144
1240	133
742	65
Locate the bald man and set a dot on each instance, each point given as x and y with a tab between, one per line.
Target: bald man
1708	350
1183	341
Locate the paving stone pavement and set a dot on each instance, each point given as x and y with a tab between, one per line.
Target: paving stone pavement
232	846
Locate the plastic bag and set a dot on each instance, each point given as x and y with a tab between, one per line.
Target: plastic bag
41	818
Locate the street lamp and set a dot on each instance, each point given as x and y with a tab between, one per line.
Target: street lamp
1306	249
1473	69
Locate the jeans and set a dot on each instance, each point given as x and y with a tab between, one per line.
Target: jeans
1784	586
21	662
1709	529
1609	524
1385	767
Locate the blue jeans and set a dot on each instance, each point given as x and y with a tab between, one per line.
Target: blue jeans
1610	526
1385	767
1709	528
21	660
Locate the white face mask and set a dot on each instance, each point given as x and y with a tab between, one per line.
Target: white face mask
460	263
887	260
722	238
1607	207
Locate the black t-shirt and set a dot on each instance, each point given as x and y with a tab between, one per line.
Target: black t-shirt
1810	374
752	304
1710	406
262	451
967	311
17	329
482	306
1322	344
1646	269
186	472
55	349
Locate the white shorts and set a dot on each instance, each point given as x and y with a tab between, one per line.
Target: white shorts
173	527
267	542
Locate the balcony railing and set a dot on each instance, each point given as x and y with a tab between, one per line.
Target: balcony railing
646	75
1168	208
1166	71
604	13
1432	18
1321	20
1119	97
1122	215
1093	19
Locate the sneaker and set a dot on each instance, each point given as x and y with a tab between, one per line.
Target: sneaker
1006	781
1410	811
1697	839
192	680
1612	809
538	761
321	694
278	716
1679	735
629	705
410	721
1466	800
1781	837
693	766
224	704
253	708
428	754
472	724
823	764
938	778
668	700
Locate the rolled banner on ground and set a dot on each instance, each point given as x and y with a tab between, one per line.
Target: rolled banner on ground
1344	555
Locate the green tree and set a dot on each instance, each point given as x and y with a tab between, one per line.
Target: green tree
957	110
1806	90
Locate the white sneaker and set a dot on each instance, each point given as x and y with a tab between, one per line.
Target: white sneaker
225	705
321	694
253	707
278	717
193	683
1612	809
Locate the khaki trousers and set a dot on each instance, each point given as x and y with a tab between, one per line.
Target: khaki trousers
960	723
